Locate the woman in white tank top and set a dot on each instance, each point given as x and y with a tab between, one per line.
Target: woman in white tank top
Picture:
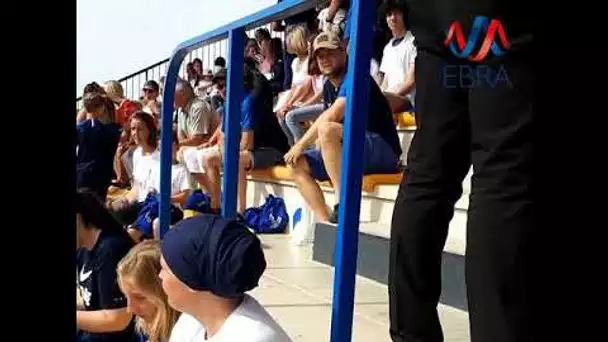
304	102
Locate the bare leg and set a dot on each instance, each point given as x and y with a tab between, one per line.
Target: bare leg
156	228
330	141
202	181
309	189
244	166
212	163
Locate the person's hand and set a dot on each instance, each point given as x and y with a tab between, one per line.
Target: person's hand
283	111
123	147
204	145
291	157
118	204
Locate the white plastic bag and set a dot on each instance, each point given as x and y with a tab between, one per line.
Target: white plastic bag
302	225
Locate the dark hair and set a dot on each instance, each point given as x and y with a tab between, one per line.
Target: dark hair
93	101
251	42
277	47
93	88
313	66
393	5
93	212
220	61
197	60
148	120
174	137
262	34
152	84
249	73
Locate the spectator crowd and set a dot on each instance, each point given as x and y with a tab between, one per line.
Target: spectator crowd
192	285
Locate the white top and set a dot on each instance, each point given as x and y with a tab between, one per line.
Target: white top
396	62
146	175
373	68
317	83
299	71
248	323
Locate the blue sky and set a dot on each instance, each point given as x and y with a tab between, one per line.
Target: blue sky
118	37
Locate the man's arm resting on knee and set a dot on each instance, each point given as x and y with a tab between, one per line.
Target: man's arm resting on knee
335	113
194	140
313	100
215	138
103	320
180	197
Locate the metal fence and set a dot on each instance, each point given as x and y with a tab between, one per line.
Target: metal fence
361	17
133	83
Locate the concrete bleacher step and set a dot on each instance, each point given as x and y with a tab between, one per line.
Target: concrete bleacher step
373	255
376	206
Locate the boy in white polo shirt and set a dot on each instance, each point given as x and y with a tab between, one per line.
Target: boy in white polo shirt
398	83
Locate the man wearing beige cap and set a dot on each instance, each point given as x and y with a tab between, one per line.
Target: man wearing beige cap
322	162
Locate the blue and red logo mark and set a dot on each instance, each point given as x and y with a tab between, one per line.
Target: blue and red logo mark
493	29
467	75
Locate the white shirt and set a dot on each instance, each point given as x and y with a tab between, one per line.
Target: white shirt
396	62
146	174
317	83
373	68
299	71
248	323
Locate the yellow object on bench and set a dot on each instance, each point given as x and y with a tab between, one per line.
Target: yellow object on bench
405	119
369	183
115	192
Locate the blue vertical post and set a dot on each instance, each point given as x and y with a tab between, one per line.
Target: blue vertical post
232	121
166	141
347	239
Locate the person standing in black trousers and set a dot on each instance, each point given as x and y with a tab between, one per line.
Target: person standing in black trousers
462	119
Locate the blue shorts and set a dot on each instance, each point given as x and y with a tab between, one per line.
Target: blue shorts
378	157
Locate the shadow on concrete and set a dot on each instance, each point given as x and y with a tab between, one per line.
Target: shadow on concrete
373	263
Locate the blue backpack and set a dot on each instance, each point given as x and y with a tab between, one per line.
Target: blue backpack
270	218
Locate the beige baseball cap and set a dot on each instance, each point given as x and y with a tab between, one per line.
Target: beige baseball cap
326	40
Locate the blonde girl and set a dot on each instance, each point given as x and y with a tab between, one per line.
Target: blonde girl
138	279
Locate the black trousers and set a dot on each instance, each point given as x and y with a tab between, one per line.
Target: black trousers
484	117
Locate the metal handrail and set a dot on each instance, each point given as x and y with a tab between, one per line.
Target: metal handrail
137	73
345	251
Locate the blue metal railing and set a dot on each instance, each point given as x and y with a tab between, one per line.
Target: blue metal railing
354	128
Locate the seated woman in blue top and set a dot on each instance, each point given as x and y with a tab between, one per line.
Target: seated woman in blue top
262	142
96	144
138	279
101	242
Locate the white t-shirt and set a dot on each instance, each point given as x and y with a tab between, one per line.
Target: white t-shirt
146	174
317	83
299	71
373	68
396	61
248	323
